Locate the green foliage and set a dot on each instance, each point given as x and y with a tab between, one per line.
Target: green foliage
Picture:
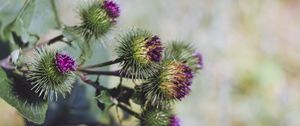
15	91
105	99
28	86
28	19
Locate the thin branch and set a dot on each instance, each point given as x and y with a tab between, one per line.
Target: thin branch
116	73
48	42
55	39
131	112
94	84
107	73
118	60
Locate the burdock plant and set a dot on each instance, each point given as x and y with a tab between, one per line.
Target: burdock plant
97	18
140	53
157	117
51	73
161	73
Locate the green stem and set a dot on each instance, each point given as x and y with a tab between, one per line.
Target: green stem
55	39
131	112
49	42
116	73
107	73
118	60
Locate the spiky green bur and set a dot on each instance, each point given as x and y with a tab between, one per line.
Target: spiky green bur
171	84
183	52
95	20
47	77
140	52
156	117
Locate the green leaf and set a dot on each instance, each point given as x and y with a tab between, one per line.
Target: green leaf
16	95
34	18
105	99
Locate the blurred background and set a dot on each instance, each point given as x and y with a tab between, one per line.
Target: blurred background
251	56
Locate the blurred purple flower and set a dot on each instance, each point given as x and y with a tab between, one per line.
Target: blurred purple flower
174	121
111	8
200	59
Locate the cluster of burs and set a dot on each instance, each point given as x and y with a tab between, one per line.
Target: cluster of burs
162	73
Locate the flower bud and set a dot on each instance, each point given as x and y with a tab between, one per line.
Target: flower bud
157	117
172	83
141	53
98	18
182	52
51	73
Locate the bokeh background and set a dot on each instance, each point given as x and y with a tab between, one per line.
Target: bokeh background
251	50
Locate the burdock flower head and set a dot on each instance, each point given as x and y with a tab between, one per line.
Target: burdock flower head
111	8
98	18
140	52
64	63
51	73
172	83
158	117
185	53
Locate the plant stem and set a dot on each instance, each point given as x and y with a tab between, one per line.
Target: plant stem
107	73
116	73
104	64
55	39
94	84
48	42
135	114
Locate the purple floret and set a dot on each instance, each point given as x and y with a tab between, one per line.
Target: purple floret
200	59
65	63
183	85
111	8
155	49
174	121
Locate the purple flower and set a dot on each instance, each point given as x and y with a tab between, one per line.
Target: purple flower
199	59
183	80
154	49
111	8
174	121
179	79
65	63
